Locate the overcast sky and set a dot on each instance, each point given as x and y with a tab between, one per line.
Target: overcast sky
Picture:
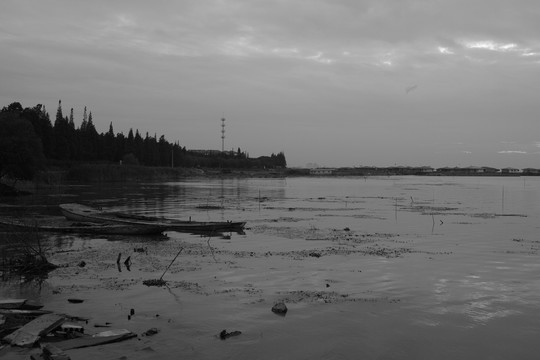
337	83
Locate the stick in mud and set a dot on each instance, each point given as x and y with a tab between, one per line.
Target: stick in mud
161	278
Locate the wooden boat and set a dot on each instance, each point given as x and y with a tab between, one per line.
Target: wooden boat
78	212
59	224
21	304
102	338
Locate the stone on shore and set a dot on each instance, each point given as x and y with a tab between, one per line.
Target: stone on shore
279	308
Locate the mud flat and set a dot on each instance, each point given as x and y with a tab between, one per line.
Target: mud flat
215	284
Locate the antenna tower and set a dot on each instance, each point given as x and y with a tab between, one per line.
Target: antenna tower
222	134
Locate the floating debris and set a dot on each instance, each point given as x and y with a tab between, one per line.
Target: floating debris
225	335
75	301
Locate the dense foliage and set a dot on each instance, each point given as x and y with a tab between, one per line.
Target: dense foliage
28	137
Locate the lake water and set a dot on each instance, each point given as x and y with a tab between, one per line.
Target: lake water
370	268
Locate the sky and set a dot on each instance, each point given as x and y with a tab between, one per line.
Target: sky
334	83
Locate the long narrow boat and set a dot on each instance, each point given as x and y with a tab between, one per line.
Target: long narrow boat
59	224
21	304
78	212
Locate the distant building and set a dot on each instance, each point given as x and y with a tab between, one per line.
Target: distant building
321	171
473	170
425	170
510	170
490	170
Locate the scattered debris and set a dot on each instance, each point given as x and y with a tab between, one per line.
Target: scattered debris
69	329
99	325
280	309
24	328
315	254
225	335
30	333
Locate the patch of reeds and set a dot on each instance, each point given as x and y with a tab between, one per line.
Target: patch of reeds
23	253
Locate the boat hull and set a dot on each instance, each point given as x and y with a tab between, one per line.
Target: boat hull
85	227
78	212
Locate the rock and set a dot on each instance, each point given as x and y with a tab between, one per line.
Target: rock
280	309
314	254
81	264
150	332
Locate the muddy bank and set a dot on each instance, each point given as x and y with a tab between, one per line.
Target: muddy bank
214	284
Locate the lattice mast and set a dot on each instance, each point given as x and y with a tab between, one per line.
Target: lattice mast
222	134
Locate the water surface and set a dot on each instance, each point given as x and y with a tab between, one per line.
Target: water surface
371	268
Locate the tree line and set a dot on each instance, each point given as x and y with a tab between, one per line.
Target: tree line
30	142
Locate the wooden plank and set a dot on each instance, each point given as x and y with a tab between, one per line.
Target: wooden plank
31	332
9	312
87	341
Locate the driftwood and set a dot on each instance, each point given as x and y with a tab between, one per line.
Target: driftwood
98	339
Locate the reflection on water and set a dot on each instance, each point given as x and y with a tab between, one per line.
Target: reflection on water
454	260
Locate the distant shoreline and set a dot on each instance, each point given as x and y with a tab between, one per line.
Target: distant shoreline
93	173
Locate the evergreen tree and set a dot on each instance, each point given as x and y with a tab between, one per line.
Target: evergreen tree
109	149
63	142
138	145
71	120
62	145
13	107
59	117
84	123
